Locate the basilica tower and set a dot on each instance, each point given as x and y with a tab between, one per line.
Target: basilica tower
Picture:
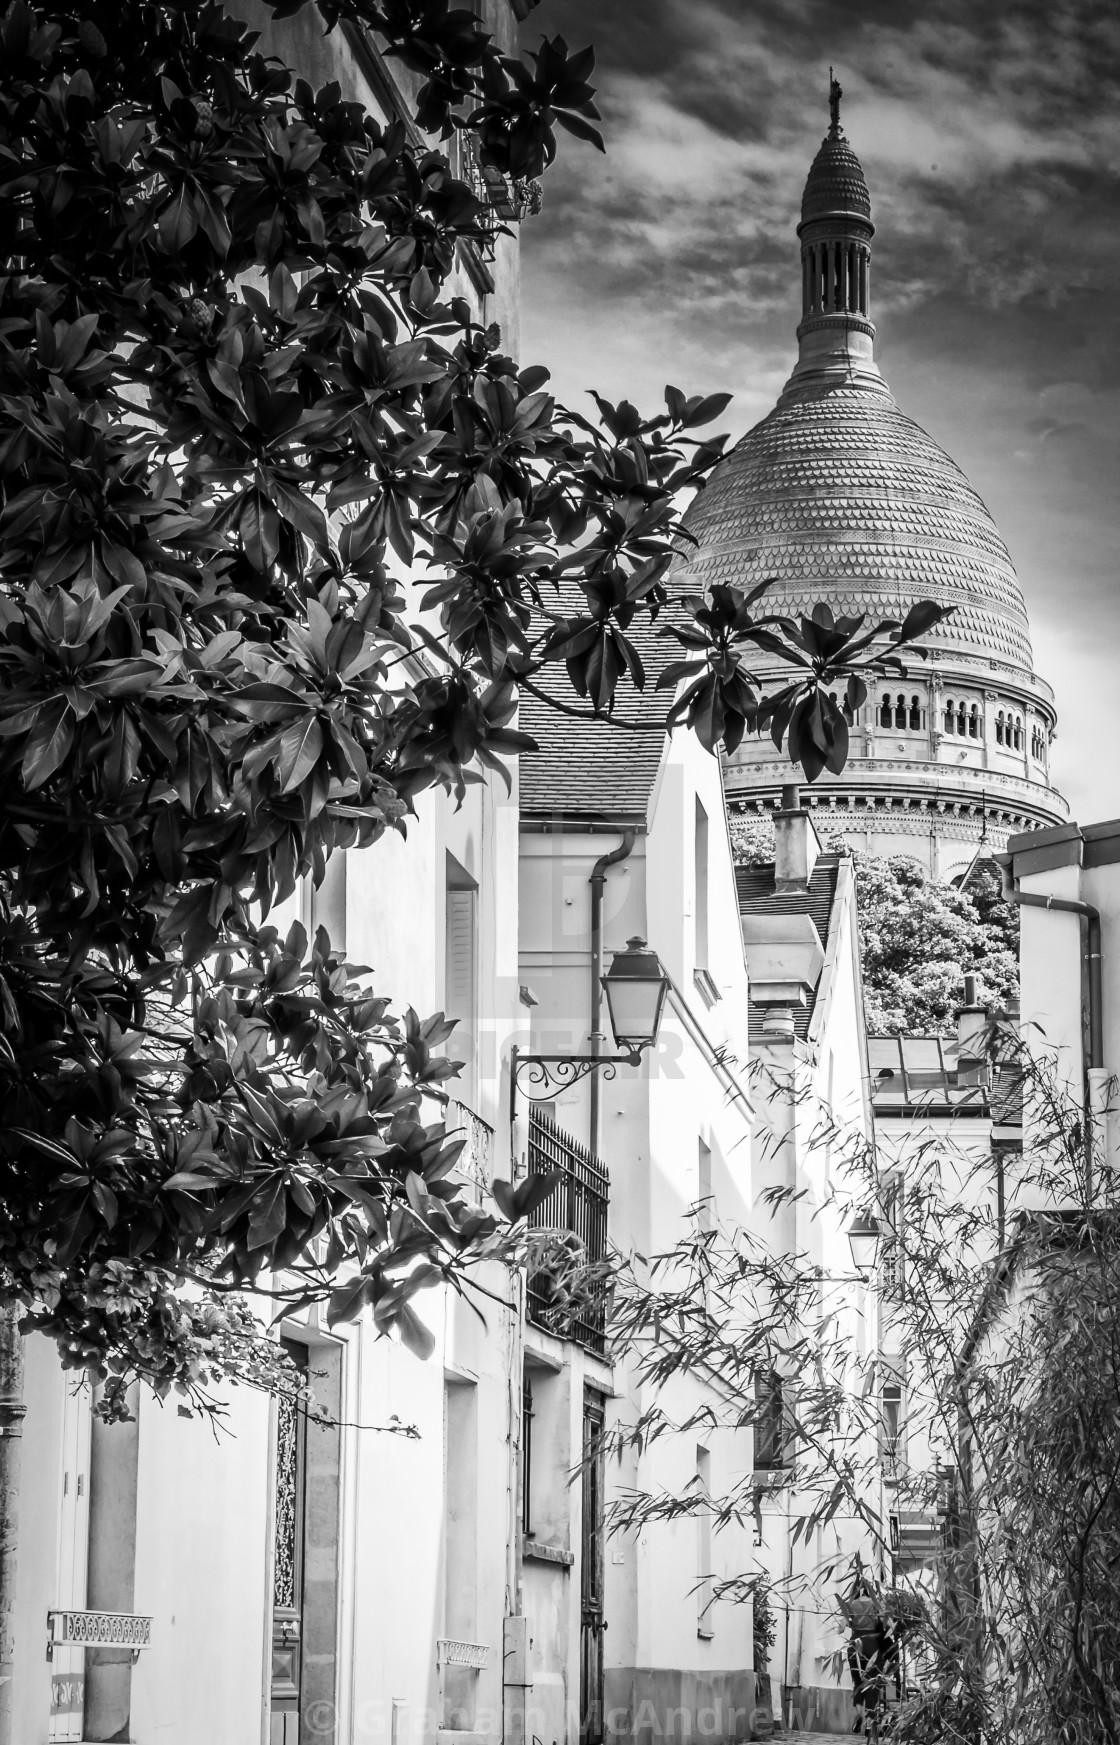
839	497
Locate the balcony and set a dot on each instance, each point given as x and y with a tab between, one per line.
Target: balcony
475	1168
576	1207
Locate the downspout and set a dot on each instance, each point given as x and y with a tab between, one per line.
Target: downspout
598	883
1092	972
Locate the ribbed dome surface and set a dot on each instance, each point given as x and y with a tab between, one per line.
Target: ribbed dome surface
841	497
835	182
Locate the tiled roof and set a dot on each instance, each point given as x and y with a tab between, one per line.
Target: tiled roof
595	769
840	497
757	896
836	182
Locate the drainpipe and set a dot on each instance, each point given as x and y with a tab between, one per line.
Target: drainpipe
598	883
1095	1051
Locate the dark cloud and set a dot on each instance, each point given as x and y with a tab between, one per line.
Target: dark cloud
990	136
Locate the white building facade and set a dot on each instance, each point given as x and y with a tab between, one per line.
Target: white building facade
625	835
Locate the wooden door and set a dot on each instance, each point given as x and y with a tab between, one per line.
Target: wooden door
287	1561
592	1622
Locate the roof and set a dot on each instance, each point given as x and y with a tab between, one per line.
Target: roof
757	896
841	497
836	182
596	769
922	1075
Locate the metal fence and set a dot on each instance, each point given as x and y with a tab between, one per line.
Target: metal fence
475	1168
577	1207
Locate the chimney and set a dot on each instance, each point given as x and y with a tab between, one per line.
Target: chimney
972	1021
796	843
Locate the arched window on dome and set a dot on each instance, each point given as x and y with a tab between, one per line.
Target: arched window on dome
885	716
950	716
962	719
915	714
900	711
844	707
853	279
1018	733
999	728
974	722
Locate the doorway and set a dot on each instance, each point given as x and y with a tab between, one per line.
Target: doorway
592	1622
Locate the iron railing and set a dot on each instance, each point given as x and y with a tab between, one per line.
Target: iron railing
575	1206
475	1168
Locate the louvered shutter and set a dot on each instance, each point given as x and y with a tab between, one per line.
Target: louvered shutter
460	995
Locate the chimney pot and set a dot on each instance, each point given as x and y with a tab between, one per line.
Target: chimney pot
796	843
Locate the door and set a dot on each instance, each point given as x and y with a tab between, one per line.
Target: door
68	1661
288	1560
592	1623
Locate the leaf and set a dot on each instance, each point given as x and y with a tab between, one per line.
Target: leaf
415	1336
300	748
920	618
576	125
703	411
48	744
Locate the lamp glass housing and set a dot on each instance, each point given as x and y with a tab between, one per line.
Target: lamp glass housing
635	986
864	1236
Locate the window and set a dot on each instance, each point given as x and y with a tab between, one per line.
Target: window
771	1450
527	1457
700	872
460	994
950	717
892	1426
885	716
962	720
1018	733
999	728
915	714
704	1544
900	711
890	1253
974	722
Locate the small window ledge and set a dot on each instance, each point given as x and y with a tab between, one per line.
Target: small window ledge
771	1478
536	1551
709	992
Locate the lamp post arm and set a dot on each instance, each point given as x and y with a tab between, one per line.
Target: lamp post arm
549	1074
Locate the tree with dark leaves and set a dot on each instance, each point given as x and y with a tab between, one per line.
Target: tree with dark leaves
240	408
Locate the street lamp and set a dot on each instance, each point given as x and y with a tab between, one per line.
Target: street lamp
863	1235
635	986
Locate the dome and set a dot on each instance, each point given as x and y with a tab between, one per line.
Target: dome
841	497
835	183
838	497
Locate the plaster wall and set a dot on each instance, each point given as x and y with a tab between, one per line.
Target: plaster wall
654	1121
813	1110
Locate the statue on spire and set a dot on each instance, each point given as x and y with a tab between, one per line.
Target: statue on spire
834	95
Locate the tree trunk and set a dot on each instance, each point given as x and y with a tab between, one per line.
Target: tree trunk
12	1409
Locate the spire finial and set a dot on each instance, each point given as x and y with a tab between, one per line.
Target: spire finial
834	95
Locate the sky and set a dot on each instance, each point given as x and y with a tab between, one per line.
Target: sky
990	138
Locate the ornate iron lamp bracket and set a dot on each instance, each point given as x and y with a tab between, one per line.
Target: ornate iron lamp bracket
546	1075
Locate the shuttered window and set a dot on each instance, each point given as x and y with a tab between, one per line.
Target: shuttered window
461	978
